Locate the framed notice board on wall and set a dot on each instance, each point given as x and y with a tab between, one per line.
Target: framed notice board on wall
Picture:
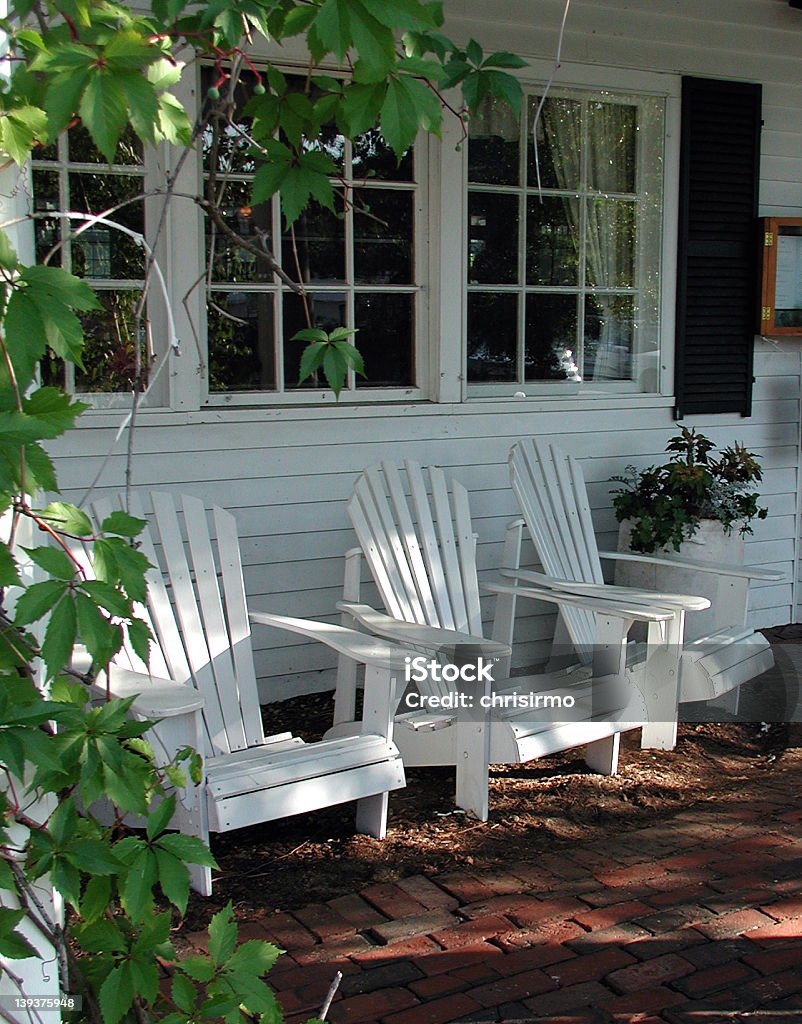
781	294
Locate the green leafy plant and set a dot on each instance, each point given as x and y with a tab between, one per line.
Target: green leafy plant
111	72
666	504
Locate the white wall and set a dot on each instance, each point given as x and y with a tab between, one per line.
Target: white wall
286	473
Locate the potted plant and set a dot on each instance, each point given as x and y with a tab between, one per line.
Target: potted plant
698	506
668	504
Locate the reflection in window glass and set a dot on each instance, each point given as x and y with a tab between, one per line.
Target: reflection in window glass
492	334
314	250
587	305
327	310
241	341
253	223
383	251
385	338
495	138
72	176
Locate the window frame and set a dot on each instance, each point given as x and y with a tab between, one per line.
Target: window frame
420	288
598	79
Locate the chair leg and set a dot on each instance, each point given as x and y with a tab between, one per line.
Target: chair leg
602	755
473	752
371	815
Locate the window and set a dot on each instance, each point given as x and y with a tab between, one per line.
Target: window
360	266
564	242
72	176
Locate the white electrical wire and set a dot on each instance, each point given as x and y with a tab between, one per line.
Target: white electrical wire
554	71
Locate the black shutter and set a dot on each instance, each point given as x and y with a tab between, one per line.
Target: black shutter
717	269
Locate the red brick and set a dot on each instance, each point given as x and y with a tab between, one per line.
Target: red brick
512	988
466	956
300	1000
499	905
645	975
632	873
689	859
392	901
342	946
313	975
466	888
673	880
439	1011
476	974
591	967
372	1005
739	922
469	932
744	883
536	956
681	895
605	917
666	942
790	928
428	893
568	1000
714	979
502	883
618	935
287	933
551	933
407	927
768	961
544	910
393	974
323	922
777	986
604	897
437	985
408	947
644	1001
357	911
784	909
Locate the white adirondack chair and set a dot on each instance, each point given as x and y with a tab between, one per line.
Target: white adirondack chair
201	685
551	491
419	544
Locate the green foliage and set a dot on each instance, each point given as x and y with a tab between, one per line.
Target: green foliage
666	504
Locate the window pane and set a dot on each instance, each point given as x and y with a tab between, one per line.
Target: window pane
231	263
385	339
327	311
610	244
383	248
612	141
102	251
492	238
241	341
551	338
552	241
46	231
83	150
373	158
319	239
110	346
492	337
494	139
609	332
556	150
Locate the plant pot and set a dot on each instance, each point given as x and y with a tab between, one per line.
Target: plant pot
709	544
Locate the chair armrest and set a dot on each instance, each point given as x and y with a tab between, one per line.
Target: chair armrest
361	647
440	641
608	591
752	572
156	698
616	609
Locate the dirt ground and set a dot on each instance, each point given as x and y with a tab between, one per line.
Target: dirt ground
283	865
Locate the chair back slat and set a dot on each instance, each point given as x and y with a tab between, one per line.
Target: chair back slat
411	544
429	541
448	548
189	619
213	620
551	492
467	556
239	626
378	553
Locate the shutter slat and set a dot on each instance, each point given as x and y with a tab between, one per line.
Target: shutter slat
717	259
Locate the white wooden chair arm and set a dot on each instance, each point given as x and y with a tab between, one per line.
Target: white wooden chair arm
607	591
440	641
615	609
752	572
156	698
360	647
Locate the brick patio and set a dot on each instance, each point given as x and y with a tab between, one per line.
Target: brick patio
697	918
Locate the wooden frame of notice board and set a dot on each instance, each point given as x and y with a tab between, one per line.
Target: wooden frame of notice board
781	292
